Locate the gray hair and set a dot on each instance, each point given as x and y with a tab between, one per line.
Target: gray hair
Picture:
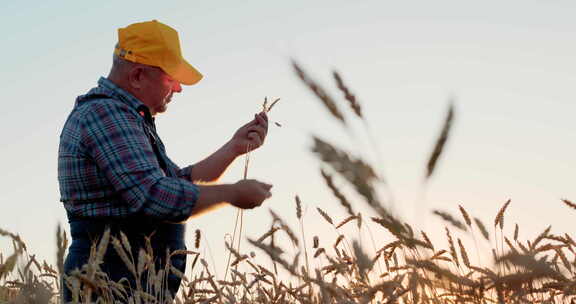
121	66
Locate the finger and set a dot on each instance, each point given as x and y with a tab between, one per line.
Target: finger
256	128
255	141
262	120
264	116
254	121
244	129
253	135
266	196
255	138
259	130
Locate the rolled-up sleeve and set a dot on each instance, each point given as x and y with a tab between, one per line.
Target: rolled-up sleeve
185	173
115	139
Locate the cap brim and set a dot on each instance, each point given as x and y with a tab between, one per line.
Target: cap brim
185	73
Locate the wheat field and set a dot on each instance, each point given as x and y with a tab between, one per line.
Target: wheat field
408	268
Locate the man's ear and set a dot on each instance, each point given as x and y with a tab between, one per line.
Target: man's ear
136	76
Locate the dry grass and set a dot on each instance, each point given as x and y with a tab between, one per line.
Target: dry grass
542	271
440	142
408	268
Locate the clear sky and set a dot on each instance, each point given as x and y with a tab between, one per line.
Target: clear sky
509	64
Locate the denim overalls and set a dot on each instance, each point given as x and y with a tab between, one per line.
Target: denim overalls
163	236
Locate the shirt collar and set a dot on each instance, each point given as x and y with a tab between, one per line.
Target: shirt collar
107	87
114	90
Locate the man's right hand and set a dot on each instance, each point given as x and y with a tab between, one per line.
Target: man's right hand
250	193
245	194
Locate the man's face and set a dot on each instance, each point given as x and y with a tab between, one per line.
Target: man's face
158	89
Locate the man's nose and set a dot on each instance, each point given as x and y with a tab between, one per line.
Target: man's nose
177	87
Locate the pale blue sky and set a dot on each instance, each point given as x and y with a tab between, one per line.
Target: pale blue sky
510	65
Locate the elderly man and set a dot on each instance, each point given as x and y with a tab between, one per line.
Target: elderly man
113	169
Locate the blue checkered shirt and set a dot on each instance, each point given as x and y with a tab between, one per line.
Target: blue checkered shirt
112	163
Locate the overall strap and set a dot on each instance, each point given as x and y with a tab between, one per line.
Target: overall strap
148	127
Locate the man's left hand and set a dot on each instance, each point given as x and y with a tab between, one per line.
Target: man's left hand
250	136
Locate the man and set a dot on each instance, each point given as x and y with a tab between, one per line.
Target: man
113	169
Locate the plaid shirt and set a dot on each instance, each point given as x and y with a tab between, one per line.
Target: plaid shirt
112	164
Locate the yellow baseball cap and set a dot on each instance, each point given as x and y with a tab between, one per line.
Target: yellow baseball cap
156	44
